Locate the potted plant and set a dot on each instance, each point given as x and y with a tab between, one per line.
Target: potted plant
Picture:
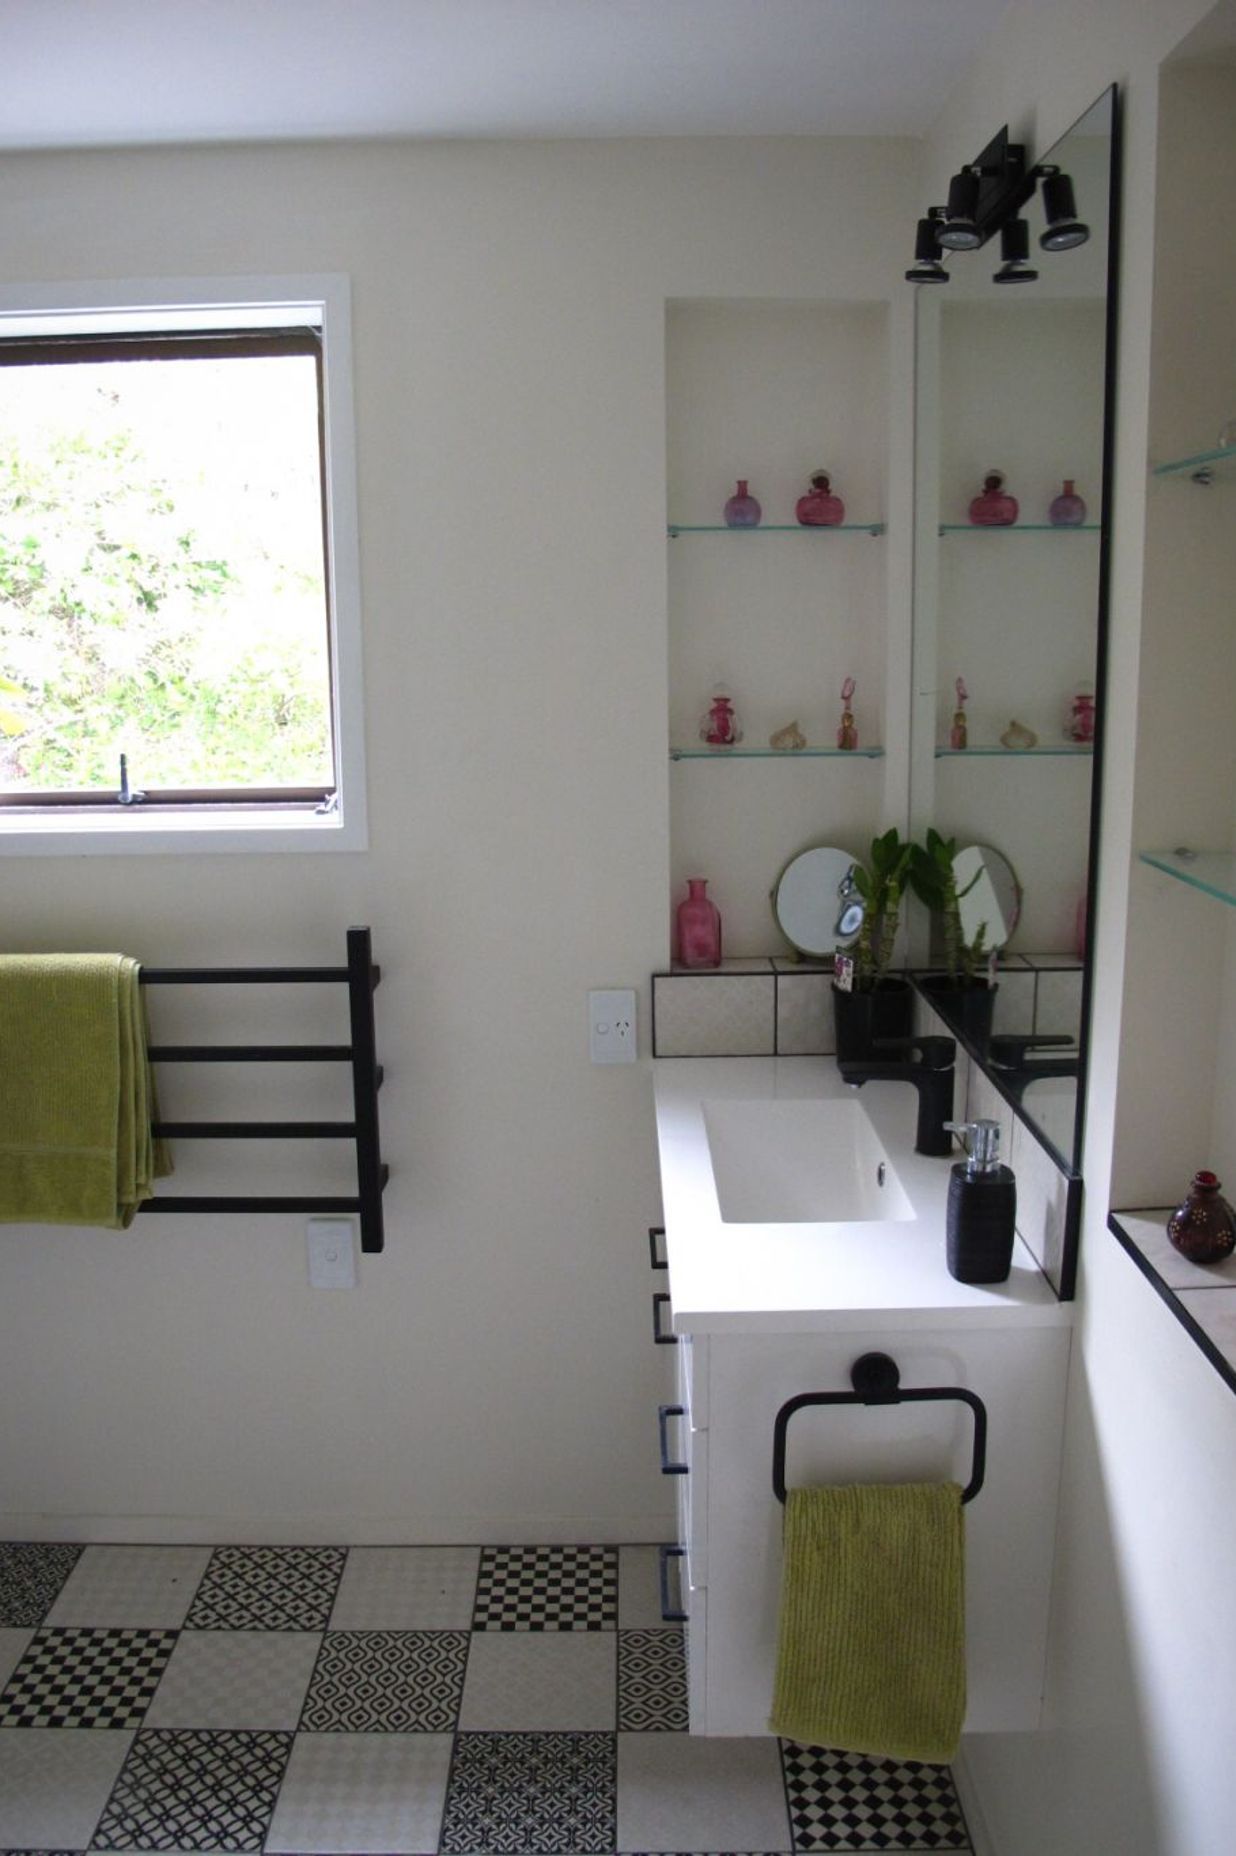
875	1005
965	990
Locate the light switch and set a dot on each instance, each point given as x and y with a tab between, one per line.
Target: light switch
331	1246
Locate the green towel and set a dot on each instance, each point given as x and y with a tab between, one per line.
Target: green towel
76	1101
871	1641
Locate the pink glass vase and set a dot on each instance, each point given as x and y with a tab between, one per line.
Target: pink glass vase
719	725
1067	510
820	508
1203	1228
699	927
742	510
993	507
1079	723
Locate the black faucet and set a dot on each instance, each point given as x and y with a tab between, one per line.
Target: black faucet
931	1075
1016	1071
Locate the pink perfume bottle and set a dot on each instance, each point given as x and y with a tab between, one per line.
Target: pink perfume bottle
959	734
1079	723
847	733
820	508
742	510
993	507
719	724
699	927
1067	510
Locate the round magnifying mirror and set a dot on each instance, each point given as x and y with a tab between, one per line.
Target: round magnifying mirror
988	895
815	902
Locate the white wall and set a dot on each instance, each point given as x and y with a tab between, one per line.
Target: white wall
494	1377
1141	1664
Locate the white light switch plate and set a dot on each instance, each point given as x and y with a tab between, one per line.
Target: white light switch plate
611	1026
331	1245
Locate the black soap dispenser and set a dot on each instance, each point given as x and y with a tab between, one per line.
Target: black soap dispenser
982	1207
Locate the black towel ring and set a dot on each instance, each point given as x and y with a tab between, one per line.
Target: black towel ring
876	1379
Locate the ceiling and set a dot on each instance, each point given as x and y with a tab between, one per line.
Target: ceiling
91	73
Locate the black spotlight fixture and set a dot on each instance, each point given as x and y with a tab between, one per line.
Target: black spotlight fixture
1015	252
927	268
1064	229
958	230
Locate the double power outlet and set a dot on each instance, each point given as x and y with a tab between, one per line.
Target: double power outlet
611	1026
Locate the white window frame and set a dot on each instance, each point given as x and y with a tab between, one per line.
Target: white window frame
197	303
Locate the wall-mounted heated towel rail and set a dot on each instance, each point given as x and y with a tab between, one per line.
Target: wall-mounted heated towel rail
360	977
877	1381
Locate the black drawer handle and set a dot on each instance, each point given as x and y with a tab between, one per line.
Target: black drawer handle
657	1261
670	1614
664	1414
659	1334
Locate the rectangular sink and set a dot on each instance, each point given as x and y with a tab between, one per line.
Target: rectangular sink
809	1161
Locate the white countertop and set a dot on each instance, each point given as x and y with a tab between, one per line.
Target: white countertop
761	1278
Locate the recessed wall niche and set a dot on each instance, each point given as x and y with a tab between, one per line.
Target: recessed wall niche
770	391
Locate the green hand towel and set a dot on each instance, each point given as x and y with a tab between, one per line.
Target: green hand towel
76	1101
871	1640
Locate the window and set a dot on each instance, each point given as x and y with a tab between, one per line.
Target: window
179	651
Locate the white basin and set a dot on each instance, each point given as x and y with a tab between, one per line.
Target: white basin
785	1160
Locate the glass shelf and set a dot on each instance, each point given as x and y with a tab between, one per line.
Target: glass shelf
1205	467
1074	749
702	753
1213	872
774	528
1019	528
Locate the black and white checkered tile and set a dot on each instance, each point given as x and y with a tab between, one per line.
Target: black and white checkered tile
547	1588
256	1725
86	1678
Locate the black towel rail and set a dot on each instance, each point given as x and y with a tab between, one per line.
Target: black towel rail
361	977
876	1379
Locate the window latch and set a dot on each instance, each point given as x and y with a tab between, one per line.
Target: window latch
127	796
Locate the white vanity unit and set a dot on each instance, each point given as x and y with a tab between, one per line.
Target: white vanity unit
802	1231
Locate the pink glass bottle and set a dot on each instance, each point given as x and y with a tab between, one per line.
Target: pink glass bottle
699	927
742	510
719	725
847	732
959	733
1079	723
820	508
1068	510
993	507
1203	1228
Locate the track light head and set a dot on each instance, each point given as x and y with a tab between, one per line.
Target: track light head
927	268
1015	253
958	230
1064	230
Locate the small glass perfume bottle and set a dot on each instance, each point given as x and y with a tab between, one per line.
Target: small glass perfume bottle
699	926
719	725
1079	722
742	510
1203	1228
847	733
820	508
993	507
958	736
1068	510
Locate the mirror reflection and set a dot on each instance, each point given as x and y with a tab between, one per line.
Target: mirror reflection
1009	527
817	906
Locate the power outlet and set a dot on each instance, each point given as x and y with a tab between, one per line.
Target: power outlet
611	1026
331	1244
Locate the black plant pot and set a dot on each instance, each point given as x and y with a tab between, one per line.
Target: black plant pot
863	1019
967	1004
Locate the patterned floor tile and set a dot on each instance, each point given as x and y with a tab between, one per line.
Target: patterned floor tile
652	1681
362	1793
195	1791
86	1678
540	1683
407	1588
387	1681
547	1588
267	1588
531	1793
54	1784
844	1801
242	1679
677	1792
31	1575
130	1588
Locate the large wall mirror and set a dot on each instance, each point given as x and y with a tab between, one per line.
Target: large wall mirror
1013	380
